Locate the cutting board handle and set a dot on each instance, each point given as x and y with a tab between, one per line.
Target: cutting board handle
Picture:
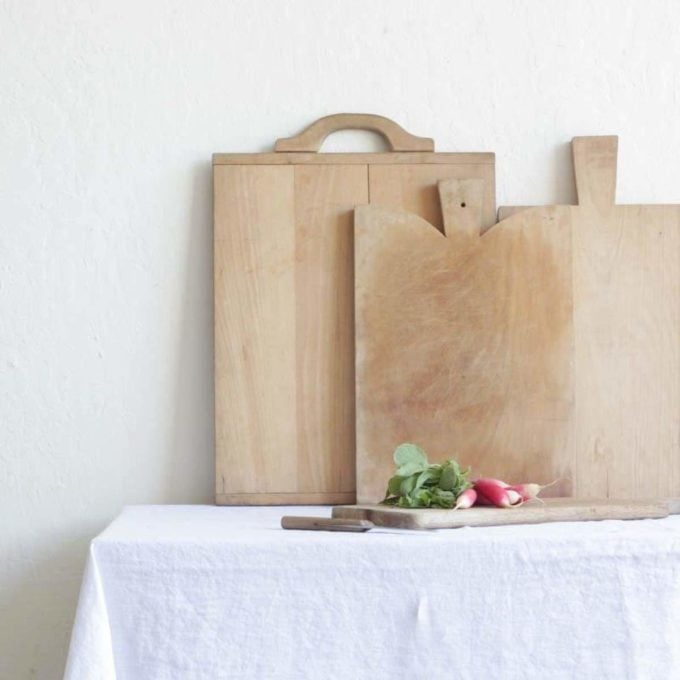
312	137
595	160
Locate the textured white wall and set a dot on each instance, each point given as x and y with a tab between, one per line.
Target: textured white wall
109	112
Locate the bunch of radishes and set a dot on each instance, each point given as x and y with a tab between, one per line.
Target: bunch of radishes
487	491
420	484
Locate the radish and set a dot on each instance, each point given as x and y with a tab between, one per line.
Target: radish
481	498
490	491
497	492
514	497
497	482
466	500
529	492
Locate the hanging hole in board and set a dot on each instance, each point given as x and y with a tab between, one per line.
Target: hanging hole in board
355	141
463	204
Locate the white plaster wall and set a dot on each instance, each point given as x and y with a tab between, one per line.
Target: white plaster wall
109	113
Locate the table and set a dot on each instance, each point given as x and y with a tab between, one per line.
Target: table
192	592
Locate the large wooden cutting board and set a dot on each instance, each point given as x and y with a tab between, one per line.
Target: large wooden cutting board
551	510
547	347
284	314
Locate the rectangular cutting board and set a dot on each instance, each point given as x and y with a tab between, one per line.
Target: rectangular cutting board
284	311
551	510
545	347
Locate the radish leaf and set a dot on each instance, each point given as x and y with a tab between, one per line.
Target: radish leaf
409	453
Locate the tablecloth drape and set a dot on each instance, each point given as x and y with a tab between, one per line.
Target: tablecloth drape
189	592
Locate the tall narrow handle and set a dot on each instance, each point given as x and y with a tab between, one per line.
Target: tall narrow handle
595	170
312	137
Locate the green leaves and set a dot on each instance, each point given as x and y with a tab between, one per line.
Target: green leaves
451	476
409	459
394	485
418	484
409	453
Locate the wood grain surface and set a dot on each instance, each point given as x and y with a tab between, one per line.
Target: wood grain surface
551	510
547	347
284	310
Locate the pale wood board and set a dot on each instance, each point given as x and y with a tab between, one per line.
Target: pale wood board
548	347
285	498
284	312
413	188
255	359
551	510
324	316
356	158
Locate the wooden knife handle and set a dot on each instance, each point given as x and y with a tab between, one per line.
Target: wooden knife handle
325	524
311	138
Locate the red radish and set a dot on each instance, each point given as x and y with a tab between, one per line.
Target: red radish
514	497
497	492
527	491
530	491
490	491
497	482
481	498
466	499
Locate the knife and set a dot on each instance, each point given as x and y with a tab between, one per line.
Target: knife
325	524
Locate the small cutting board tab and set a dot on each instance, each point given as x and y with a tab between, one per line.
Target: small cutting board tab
551	510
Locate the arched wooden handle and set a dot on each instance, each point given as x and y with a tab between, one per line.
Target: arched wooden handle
312	137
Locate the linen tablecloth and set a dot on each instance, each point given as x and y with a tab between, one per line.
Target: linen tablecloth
188	592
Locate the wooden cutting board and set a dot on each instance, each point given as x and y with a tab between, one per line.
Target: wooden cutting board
551	510
284	314
546	347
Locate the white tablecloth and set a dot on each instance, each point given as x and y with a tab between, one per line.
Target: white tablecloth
187	592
